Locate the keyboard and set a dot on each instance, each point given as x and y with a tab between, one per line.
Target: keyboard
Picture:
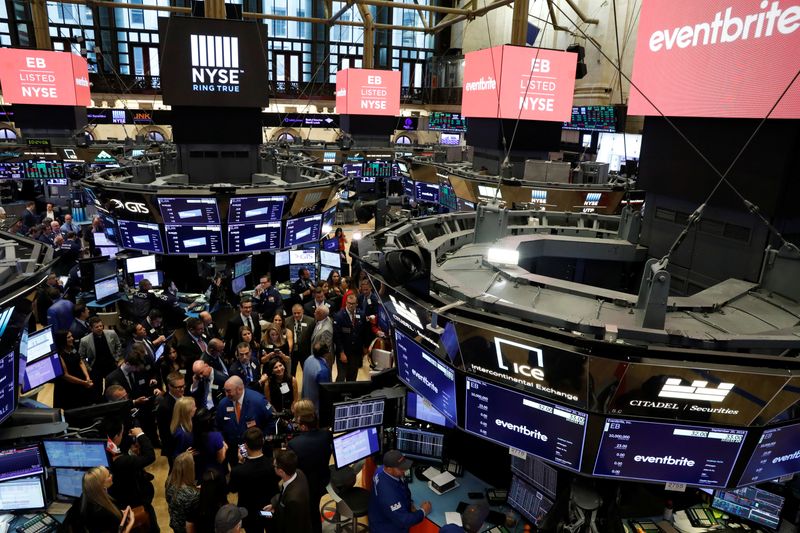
40	523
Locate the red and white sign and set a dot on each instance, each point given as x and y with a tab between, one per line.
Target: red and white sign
519	82
44	78
717	58
368	92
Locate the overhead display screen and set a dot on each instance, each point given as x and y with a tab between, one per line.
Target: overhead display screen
43	170
426	192
443	121
592	118
658	452
256	209
193	240
254	237
513	419
7	385
427	375
699	42
777	454
44	78
368	92
140	236
302	230
217	63
378	169
11	171
189	210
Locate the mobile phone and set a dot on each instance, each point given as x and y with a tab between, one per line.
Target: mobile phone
242	450
266	514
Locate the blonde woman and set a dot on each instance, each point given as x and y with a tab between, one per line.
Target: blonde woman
99	513
181	424
182	493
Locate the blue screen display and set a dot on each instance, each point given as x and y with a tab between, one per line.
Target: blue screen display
140	236
189	210
200	240
302	230
256	209
753	504
777	454
7	385
254	237
75	453
427	375
541	428
426	192
331	245
658	452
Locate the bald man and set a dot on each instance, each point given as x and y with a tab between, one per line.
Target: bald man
210	331
207	385
240	410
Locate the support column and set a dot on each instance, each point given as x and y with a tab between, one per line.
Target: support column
215	9
369	36
519	22
41	25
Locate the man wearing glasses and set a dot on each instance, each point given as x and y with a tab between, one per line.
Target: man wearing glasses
246	317
176	385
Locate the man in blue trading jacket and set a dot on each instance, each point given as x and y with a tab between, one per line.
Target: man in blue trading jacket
240	410
390	507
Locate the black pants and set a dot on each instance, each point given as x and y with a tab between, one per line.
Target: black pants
348	371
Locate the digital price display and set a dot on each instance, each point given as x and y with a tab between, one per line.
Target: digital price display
777	454
352	170
447	195
426	192
193	240
592	118
43	170
256	209
546	430
254	237
12	171
427	375
442	121
378	169
659	452
140	236
189	210
302	230
7	385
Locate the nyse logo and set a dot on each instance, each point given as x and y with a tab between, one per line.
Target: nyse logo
698	390
535	372
215	63
133	207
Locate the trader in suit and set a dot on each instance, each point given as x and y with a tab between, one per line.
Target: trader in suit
303	287
101	350
131	376
240	410
244	318
317	301
313	448
323	327
301	327
210	331
214	357
254	479
79	326
268	301
347	340
192	346
247	369
29	217
59	314
207	386
290	506
165	404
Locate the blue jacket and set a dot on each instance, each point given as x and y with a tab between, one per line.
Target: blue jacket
59	315
256	410
390	505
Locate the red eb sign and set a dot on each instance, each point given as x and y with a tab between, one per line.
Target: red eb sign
44	78
368	92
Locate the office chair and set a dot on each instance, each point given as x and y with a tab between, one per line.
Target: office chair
583	505
348	504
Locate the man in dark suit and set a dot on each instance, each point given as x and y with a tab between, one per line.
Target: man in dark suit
29	217
210	331
214	357
301	327
254	479
247	369
192	346
80	326
290	506
176	385
317	301
313	448
240	410
348	326
207	386
244	318
303	287
132	377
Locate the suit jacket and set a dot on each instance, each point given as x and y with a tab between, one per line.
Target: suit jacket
256	482
217	364
132	486
164	408
217	391
313	449
302	342
323	333
256	410
59	314
347	337
189	351
237	369
30	219
232	331
86	347
211	332
311	306
117	377
79	331
290	508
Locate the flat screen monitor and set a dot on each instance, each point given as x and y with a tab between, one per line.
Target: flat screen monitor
238	284
108	251
331	245
105	269
43	170
427	375
331	259
450	139
193	240
282	258
42	371
352	170
408	187
302	257
592	118
378	169
418	408
328	219
447	195
251	209
189	210
426	192
101	239
750	503
444	121
140	264
420	443
775	455
11	171
661	452
40	344
616	148
301	230
536	472
20	462
243	267
531	503
356	445
22	494
8	385
69	482
75	453
325	272
243	238
140	236
294	271
517	420
155	277
106	288
357	414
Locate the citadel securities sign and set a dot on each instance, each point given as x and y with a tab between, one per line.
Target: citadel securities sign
717	58
44	78
368	92
519	82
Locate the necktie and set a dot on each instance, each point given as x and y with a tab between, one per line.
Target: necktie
132	381
249	323
202	344
238	411
249	374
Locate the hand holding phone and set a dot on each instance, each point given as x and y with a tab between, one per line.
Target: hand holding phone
266	514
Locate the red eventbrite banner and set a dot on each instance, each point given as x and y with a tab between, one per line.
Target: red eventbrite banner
717	58
368	92
519	82
44	78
